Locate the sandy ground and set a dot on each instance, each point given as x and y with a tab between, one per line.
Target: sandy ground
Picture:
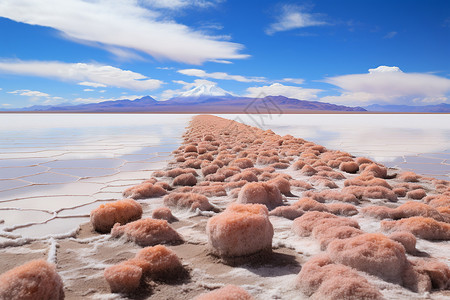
81	259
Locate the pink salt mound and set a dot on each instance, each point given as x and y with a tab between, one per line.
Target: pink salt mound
304	225
327	196
409	177
282	184
242	163
147	232
163	213
36	279
300	184
229	292
416	194
407	239
349	167
426	228
344	209
185	180
326	234
288	212
242	229
374	170
178	171
246	175
373	192
158	262
322	279
262	193
190	201
123	278
307	170
373	253
106	215
438	273
144	190
308	204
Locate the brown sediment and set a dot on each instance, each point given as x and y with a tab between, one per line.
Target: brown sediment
221	160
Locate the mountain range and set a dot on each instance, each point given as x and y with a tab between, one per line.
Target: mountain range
212	99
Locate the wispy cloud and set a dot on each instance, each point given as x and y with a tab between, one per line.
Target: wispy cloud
278	89
35	96
92	75
177	4
220	75
294	80
293	17
126	25
101	99
390	85
390	35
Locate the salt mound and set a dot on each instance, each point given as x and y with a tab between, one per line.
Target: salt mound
36	279
282	184
349	167
229	292
163	213
307	170
106	215
246	175
190	201
123	278
262	193
438	273
178	171
372	253
308	204
322	279
158	262
407	239
327	196
374	170
373	192
367	181
242	229
326	234
288	212
416	194
147	232
144	190
185	180
242	163
304	225
426	228
409	177
344	209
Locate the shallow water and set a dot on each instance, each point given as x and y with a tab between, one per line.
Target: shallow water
54	169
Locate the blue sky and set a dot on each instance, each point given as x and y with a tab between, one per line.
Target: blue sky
343	52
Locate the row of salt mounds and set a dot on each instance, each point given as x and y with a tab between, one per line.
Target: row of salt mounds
34	280
147	232
158	262
106	215
406	210
242	229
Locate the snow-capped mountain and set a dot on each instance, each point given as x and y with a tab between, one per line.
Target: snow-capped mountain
206	91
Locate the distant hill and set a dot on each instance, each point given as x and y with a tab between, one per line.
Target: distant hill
438	108
203	104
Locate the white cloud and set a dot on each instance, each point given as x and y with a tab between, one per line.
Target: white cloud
122	24
88	90
101	99
389	85
278	89
92	84
293	17
29	93
87	74
294	80
220	75
177	4
390	35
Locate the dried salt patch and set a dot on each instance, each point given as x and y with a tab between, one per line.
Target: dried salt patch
242	229
106	215
147	232
229	292
36	279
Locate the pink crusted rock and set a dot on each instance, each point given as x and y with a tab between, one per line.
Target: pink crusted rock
262	193
242	229
426	228
190	201
185	180
322	279
36	279
144	190
229	292
147	232
372	253
349	167
407	239
288	212
163	213
106	215
123	278
157	262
